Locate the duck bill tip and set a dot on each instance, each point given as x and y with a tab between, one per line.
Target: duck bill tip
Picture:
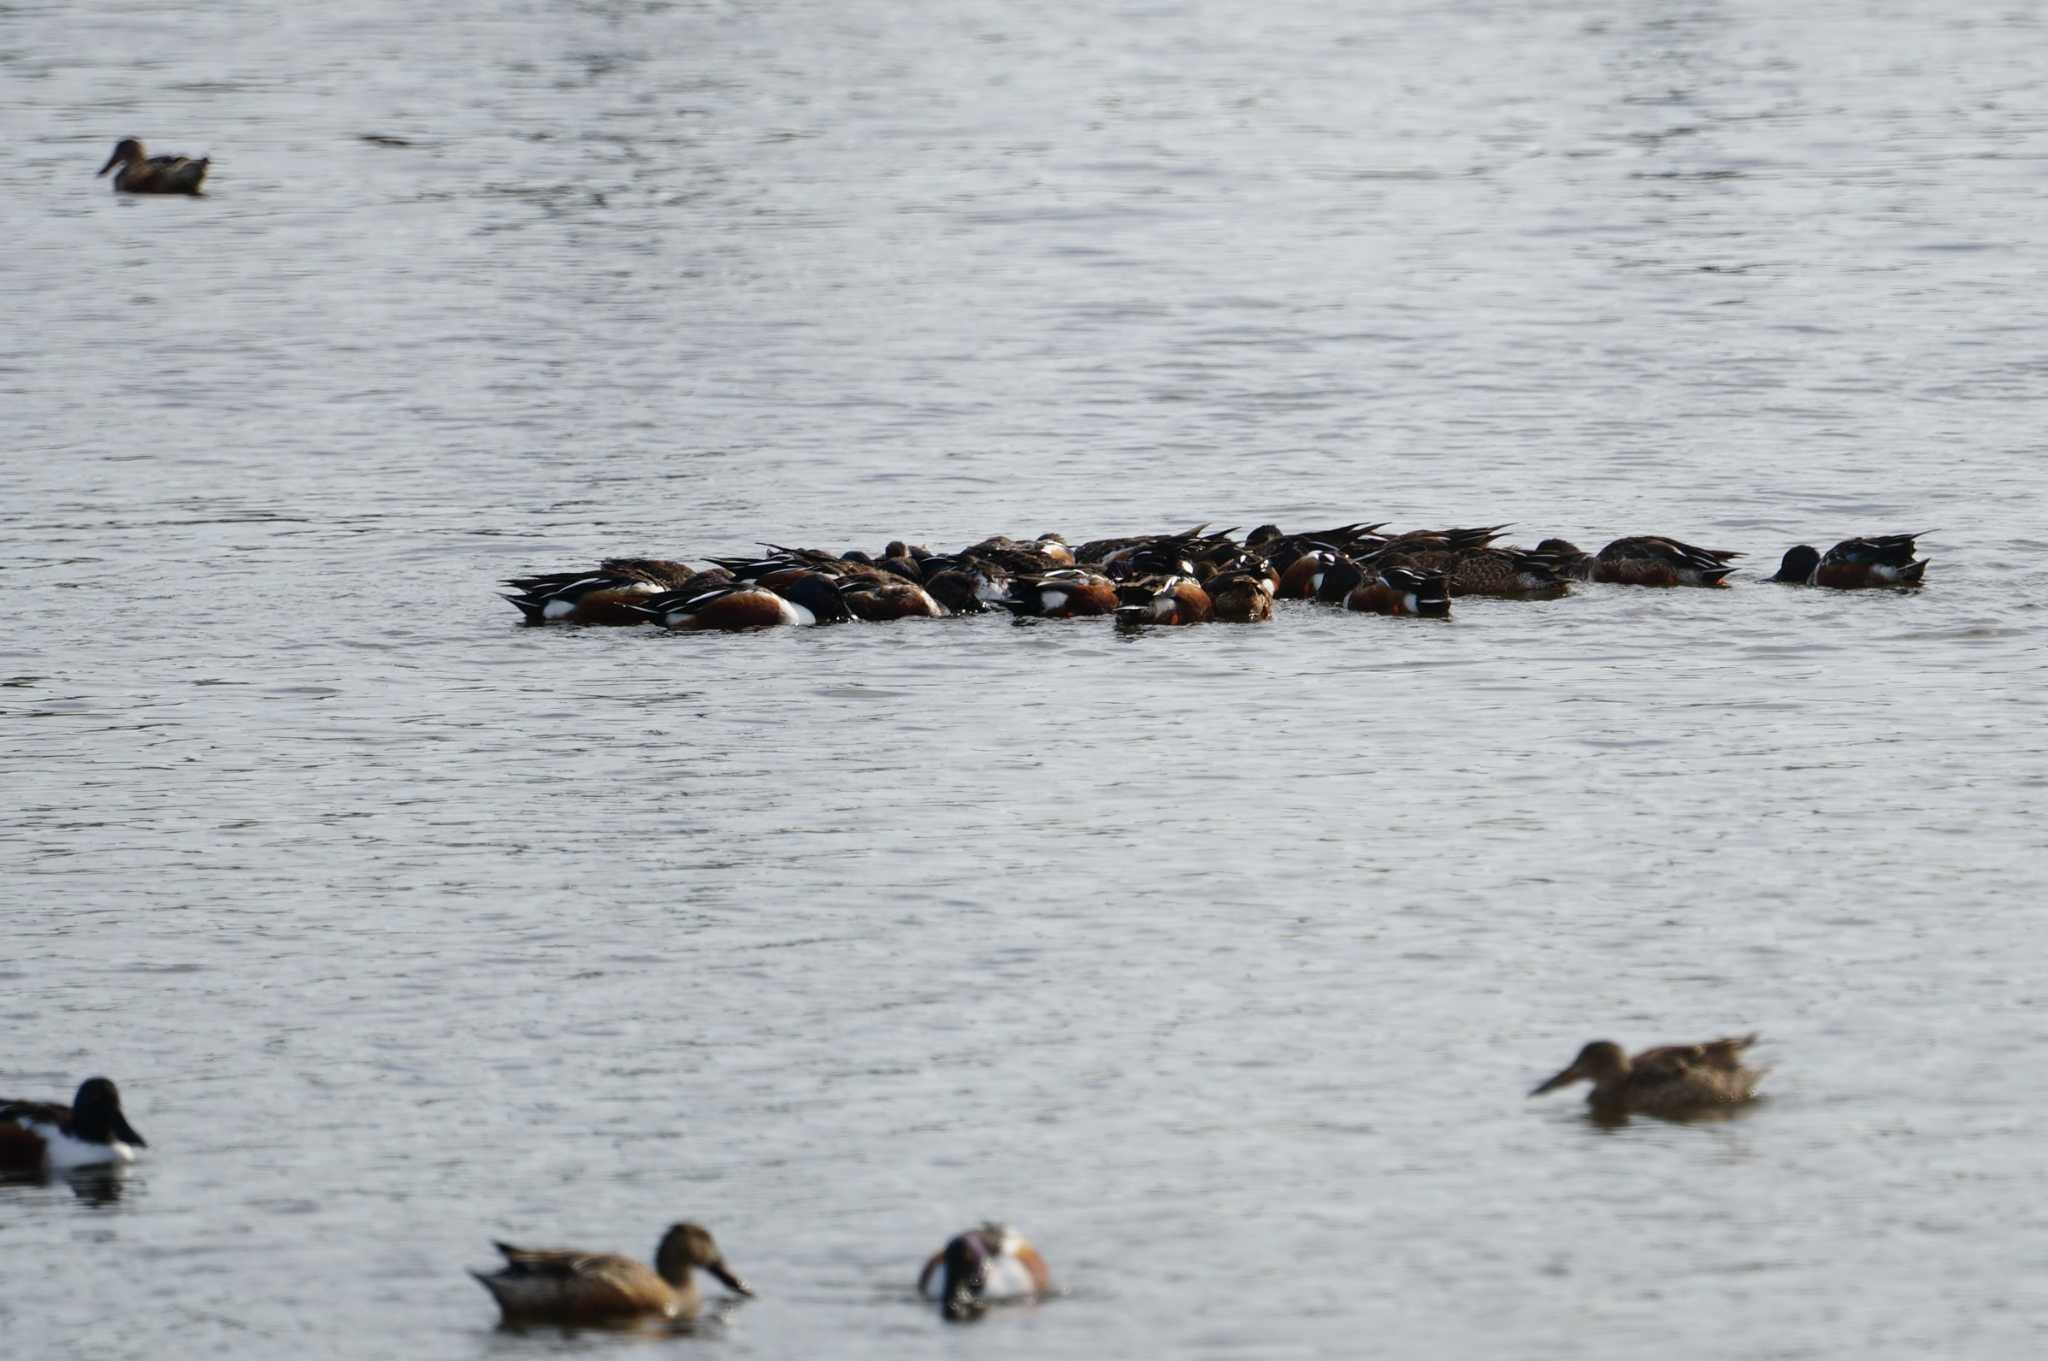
730	1280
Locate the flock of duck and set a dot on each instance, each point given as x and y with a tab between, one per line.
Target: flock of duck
989	1264
1190	577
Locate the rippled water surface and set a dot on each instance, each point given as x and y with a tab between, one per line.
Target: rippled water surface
1219	960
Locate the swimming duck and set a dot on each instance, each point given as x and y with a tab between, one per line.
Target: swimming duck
877	601
1403	591
145	174
1067	593
807	598
1240	596
606	596
1641	560
47	1136
988	1264
1175	599
1671	1080
552	1286
1505	574
1856	564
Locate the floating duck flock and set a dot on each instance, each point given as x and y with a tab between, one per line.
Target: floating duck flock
1190	577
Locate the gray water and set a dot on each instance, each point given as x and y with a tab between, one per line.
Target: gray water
1219	960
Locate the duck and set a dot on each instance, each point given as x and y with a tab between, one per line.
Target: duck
48	1136
607	595
1403	591
1303	577
142	173
1856	564
1174	599
807	598
986	1265
567	1287
1505	574
1672	1080
1642	560
1066	593
878	601
1241	596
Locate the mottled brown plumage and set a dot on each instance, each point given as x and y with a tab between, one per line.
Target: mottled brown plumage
142	173
1673	1080
566	1287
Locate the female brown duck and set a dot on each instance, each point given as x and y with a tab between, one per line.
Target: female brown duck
142	173
1673	1080
567	1288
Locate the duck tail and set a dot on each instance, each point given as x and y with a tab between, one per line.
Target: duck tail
529	607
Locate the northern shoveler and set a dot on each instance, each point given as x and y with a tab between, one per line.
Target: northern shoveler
988	1264
1241	597
878	601
1504	573
609	594
1856	564
1175	599
567	1287
1672	1080
1304	576
1641	560
47	1136
145	174
1068	593
1403	591
807	598
966	584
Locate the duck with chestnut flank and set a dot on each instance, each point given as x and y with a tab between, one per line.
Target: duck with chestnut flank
607	595
1068	593
1175	599
1403	592
48	1136
989	1264
804	598
567	1288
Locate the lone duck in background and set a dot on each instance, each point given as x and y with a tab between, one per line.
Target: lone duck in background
45	1136
1673	1080
567	1288
1856	564
142	173
988	1264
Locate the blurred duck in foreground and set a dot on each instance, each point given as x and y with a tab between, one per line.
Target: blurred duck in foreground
988	1264
568	1288
1856	564
48	1136
1674	1080
142	173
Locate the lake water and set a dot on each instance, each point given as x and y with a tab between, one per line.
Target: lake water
1219	960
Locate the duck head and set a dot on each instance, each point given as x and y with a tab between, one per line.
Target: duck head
96	1114
963	1278
1799	565
126	150
689	1245
1598	1061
